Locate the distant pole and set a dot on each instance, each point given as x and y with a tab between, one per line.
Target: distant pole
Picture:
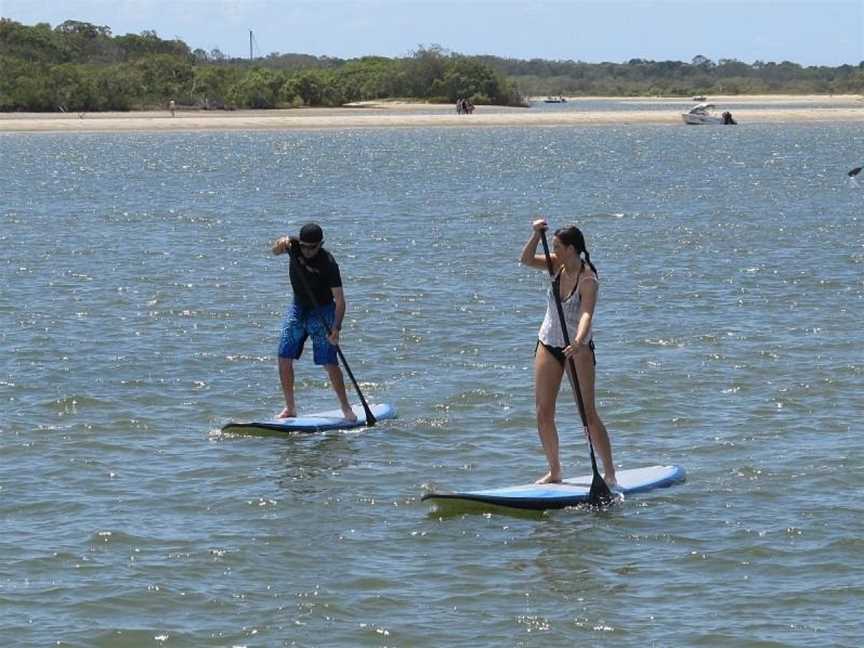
250	44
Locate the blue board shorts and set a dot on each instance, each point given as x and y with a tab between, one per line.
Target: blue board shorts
301	323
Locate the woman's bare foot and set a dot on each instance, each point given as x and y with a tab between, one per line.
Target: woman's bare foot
349	414
286	413
549	478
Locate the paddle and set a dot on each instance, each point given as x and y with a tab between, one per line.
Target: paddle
599	494
854	172
370	418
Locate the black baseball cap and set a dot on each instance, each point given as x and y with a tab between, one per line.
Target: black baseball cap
311	233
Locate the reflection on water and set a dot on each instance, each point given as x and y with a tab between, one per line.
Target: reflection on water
306	466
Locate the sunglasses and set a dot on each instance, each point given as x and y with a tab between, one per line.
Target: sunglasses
310	246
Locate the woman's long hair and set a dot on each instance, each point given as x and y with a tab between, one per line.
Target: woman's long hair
573	236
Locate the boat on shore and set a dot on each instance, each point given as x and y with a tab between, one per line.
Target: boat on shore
702	114
555	100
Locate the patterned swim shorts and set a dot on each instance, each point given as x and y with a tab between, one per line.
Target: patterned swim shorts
301	323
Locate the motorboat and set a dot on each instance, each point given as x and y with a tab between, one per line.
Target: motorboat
555	100
702	114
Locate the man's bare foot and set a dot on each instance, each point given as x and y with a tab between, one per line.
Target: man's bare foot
549	478
611	481
349	414
286	413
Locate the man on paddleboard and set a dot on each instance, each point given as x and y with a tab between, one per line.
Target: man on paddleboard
303	319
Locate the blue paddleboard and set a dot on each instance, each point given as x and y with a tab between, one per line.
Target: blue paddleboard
570	492
331	420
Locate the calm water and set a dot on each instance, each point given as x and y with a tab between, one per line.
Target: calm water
676	105
139	311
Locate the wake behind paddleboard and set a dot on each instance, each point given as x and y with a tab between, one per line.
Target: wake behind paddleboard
330	420
570	492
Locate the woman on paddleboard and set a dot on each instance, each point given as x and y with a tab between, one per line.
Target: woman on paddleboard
577	283
321	278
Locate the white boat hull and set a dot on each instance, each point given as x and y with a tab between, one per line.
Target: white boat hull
695	120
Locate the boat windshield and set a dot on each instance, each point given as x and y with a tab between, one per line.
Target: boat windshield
701	108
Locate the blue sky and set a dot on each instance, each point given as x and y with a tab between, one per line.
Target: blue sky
807	32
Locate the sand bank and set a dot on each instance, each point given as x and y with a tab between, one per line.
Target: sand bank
413	115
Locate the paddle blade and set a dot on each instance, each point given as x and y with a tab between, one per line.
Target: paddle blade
599	495
855	172
370	417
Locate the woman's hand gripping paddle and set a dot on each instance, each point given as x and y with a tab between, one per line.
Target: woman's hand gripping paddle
370	418
599	494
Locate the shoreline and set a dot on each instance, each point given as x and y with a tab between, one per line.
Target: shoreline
396	114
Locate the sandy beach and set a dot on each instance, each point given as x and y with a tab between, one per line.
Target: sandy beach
389	114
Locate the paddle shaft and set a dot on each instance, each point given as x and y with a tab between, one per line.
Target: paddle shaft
570	363
370	418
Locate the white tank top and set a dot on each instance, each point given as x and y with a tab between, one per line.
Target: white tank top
550	332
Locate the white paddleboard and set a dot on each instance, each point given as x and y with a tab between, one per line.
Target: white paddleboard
319	422
570	492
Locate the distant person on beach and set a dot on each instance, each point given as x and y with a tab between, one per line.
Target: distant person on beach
460	106
171	107
577	284
303	318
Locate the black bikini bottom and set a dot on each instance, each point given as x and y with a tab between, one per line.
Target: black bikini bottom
558	352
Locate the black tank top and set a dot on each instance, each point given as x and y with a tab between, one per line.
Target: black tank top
321	273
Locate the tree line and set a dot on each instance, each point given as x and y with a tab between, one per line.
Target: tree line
78	66
641	77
